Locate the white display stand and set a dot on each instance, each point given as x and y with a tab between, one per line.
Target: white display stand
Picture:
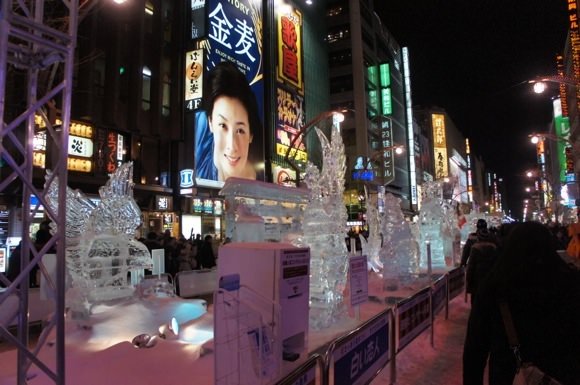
281	208
281	273
247	346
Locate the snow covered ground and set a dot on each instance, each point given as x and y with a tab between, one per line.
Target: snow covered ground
419	363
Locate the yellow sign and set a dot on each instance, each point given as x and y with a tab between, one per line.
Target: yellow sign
439	146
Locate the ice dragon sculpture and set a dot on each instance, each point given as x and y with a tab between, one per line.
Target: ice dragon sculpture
324	231
100	246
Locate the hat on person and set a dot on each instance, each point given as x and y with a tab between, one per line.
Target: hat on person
481	224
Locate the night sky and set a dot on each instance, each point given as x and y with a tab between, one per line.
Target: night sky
470	58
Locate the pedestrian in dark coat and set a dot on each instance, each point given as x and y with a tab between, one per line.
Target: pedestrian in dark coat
543	295
205	255
482	257
471	239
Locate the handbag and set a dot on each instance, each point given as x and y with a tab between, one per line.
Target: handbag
526	372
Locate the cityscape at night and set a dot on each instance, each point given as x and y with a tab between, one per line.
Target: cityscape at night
289	192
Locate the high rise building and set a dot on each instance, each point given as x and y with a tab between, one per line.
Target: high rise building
368	80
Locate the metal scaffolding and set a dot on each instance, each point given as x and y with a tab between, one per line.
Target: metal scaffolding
36	57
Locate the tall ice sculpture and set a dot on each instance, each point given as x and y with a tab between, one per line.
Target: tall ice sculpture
101	248
323	229
400	252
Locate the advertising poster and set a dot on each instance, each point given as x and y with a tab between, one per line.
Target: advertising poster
229	127
289	121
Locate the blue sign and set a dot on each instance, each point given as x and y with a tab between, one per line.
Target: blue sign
364	175
358	358
414	316
186	178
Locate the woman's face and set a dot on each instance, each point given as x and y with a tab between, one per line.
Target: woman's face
232	137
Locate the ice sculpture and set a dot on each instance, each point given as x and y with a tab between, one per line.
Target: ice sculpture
470	225
400	251
434	225
323	230
100	246
372	245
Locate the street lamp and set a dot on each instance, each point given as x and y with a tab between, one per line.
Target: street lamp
539	84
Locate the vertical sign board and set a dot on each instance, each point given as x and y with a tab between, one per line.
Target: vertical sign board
193	79
413	316
290	120
290	108
456	282
575	43
359	284
197	19
439	146
358	357
439	294
234	34
387	138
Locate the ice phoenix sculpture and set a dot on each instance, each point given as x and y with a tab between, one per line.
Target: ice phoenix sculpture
100	246
323	231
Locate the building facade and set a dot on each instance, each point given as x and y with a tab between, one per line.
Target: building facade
367	81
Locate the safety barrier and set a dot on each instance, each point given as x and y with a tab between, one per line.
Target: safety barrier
358	356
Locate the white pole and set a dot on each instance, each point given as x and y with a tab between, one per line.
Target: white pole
429	264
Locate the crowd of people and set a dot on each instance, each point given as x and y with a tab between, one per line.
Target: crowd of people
517	267
182	254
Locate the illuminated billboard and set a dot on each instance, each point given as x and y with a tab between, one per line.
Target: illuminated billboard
289	25
290	107
439	146
379	90
193	79
229	143
289	122
80	145
562	126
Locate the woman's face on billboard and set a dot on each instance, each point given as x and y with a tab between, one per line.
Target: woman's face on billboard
230	126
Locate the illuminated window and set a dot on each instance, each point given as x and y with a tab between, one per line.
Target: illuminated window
146	89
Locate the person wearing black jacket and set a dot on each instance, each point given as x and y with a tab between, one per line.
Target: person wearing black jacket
482	257
471	239
543	295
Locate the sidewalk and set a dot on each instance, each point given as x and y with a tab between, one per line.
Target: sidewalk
420	364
